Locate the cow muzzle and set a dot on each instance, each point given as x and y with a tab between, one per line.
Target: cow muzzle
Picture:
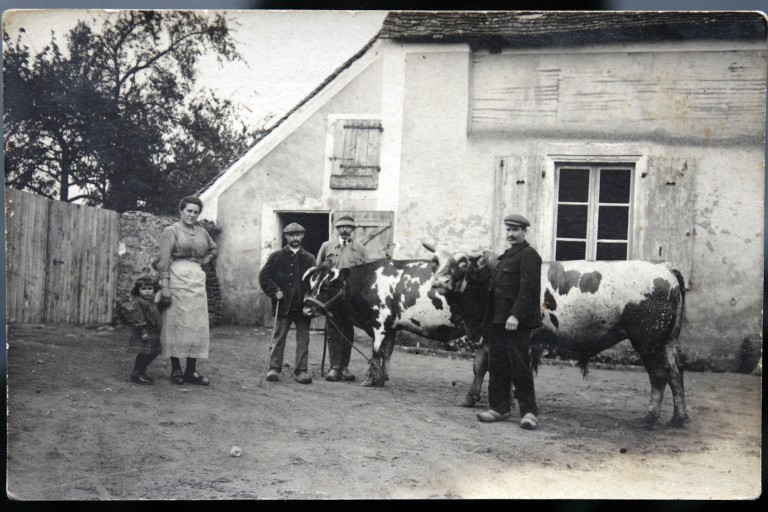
441	284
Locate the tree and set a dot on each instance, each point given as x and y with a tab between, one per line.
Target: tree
113	120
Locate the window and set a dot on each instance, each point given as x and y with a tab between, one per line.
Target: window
593	211
356	148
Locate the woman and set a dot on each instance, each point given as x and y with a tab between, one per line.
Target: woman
185	249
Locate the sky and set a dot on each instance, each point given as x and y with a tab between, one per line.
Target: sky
285	54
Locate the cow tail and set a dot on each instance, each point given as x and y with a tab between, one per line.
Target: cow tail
680	313
535	352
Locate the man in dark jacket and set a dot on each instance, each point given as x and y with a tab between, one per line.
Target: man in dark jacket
281	280
513	312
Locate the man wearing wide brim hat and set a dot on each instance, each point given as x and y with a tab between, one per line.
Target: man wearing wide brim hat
281	281
513	311
342	252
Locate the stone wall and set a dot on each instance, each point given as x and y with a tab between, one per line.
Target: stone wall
139	245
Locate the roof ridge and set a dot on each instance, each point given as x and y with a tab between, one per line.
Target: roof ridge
335	73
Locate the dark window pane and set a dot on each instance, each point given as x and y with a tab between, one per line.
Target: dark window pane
614	185
612	223
611	251
570	250
574	186
572	221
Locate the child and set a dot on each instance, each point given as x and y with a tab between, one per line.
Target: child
146	324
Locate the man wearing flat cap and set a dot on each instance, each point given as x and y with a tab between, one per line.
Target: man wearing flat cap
513	312
342	252
281	281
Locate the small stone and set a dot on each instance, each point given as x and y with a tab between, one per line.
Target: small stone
236	451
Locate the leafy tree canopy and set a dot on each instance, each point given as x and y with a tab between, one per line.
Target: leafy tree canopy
112	118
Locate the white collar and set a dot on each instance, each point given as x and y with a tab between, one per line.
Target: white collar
294	251
341	241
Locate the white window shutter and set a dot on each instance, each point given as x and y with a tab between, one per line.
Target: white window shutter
664	201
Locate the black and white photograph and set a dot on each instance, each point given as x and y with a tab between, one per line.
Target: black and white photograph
384	254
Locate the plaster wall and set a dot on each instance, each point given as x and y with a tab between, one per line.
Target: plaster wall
447	183
290	177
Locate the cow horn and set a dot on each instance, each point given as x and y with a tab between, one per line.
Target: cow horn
309	271
334	274
474	253
429	247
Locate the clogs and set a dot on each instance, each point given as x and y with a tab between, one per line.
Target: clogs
529	422
490	416
302	378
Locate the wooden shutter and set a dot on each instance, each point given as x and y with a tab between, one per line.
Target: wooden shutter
374	231
356	149
518	189
664	200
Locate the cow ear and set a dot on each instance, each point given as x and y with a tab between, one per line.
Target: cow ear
429	247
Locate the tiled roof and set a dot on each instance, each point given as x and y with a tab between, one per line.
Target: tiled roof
496	29
547	28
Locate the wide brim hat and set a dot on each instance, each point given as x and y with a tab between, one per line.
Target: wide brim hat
345	221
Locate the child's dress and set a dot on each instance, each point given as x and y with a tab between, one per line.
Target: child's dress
145	318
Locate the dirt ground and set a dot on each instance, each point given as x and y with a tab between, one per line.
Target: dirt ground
78	429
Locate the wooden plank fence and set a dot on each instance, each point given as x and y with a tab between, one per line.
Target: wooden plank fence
61	261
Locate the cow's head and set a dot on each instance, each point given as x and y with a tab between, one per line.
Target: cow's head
326	288
453	271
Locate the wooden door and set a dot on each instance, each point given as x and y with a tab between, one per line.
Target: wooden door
374	231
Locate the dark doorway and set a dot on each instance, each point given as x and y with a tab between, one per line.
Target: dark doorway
315	224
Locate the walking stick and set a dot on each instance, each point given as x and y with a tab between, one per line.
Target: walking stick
325	346
271	344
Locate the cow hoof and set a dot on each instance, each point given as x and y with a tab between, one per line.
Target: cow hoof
649	421
368	383
469	401
678	422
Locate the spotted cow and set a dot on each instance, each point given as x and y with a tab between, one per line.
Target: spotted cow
589	306
386	296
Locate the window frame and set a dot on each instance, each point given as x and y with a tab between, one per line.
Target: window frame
594	204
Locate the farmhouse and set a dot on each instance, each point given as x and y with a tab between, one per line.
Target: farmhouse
620	135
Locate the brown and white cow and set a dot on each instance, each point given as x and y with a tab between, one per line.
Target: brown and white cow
386	296
589	306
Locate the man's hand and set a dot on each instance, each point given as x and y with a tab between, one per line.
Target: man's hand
512	323
279	295
165	296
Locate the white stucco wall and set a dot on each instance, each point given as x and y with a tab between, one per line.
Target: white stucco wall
292	176
439	159
447	174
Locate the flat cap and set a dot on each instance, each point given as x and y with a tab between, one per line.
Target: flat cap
516	218
294	227
345	220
